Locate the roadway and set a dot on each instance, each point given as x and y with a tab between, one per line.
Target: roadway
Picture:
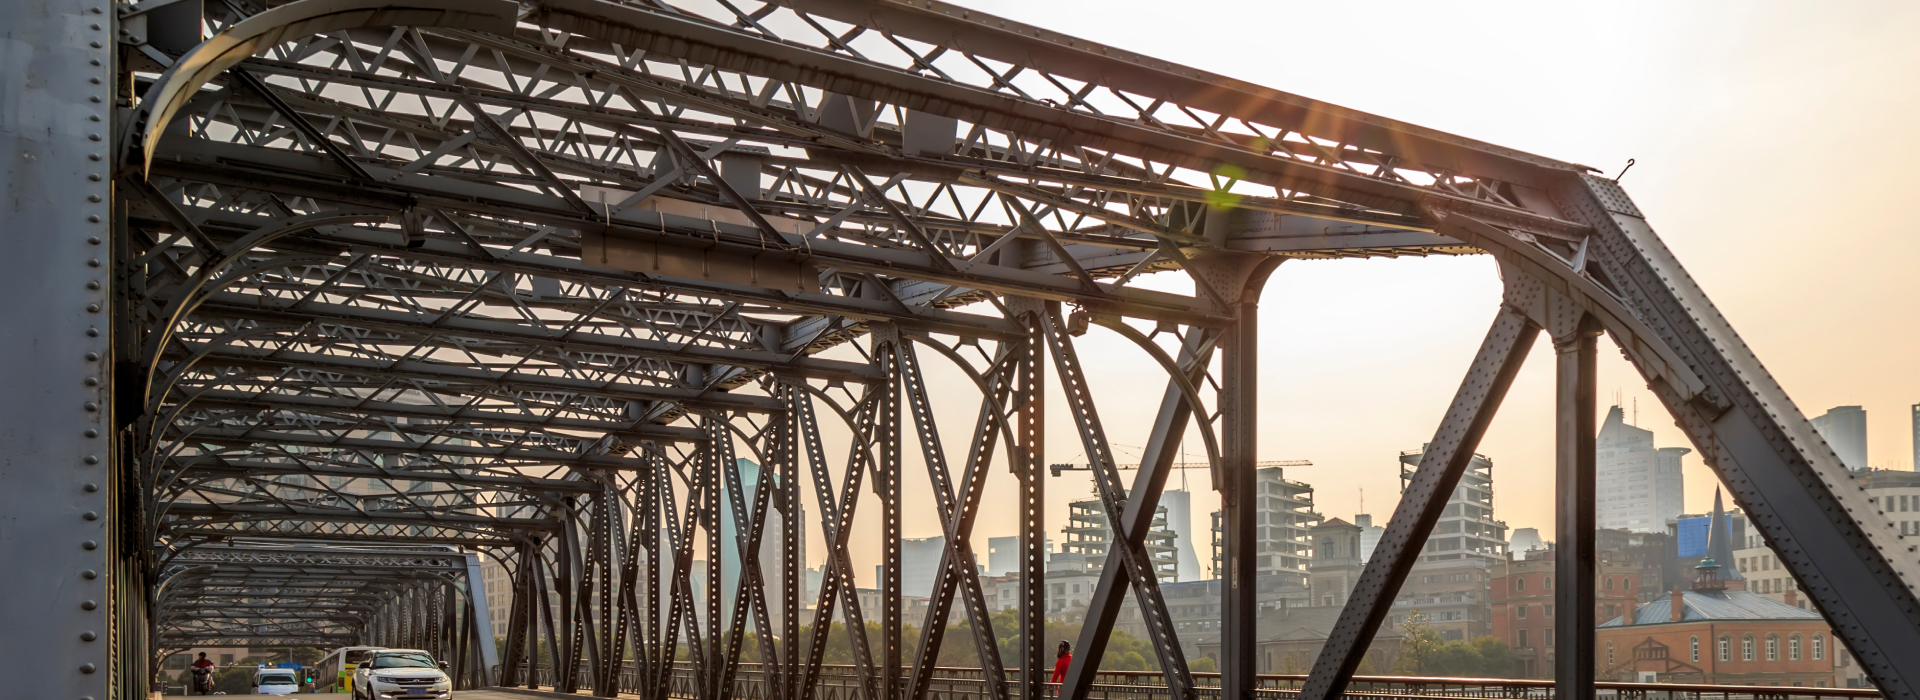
457	695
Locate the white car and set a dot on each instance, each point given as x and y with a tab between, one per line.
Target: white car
275	681
394	674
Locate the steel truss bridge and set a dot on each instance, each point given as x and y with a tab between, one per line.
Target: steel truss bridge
320	303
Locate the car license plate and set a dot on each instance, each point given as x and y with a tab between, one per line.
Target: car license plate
416	691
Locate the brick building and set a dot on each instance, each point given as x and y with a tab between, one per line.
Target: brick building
1651	554
1522	610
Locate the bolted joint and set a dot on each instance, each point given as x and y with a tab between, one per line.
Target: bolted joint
1574	341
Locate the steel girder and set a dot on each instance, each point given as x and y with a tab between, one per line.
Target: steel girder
264	592
410	273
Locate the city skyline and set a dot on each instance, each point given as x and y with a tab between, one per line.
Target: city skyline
1058	519
1361	357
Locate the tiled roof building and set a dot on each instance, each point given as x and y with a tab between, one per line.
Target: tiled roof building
1718	633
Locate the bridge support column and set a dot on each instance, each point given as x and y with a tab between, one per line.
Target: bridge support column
1239	433
1029	455
1573	593
66	588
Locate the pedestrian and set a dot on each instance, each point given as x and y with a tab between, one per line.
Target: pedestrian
1061	661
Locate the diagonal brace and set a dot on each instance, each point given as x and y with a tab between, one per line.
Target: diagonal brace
1446	458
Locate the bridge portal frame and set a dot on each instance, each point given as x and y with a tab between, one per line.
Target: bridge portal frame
186	232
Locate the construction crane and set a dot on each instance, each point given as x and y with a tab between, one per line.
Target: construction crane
1057	468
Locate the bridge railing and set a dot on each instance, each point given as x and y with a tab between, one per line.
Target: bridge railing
841	682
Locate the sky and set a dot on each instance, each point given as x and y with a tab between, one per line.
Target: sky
1764	136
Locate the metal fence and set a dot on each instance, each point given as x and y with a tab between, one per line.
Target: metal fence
842	683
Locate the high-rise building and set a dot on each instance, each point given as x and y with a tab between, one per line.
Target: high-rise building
1845	430
1370	535
1639	485
919	565
1915	464
1003	555
1283	516
1466	529
770	540
1088	536
697	583
1179	506
1897	495
499	595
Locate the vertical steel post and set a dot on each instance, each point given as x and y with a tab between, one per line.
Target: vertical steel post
892	614
1239	432
566	659
1029	455
606	647
791	565
56	426
1574	433
646	650
719	457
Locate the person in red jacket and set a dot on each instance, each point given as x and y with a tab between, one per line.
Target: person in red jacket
1062	661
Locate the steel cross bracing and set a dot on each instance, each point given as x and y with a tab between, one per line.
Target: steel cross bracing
524	280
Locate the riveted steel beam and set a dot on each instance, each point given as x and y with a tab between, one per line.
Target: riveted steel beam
58	456
456	376
214	512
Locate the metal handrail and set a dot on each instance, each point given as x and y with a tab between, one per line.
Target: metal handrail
967	683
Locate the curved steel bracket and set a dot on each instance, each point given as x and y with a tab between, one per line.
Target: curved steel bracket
171	92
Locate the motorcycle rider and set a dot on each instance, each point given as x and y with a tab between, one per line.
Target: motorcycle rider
202	669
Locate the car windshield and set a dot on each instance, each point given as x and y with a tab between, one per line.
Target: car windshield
402	661
277	680
358	656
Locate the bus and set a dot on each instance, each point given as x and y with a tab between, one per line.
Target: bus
334	674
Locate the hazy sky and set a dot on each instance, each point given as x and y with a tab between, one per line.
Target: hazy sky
1762	131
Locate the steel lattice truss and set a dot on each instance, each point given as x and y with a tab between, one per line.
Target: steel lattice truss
266	593
528	279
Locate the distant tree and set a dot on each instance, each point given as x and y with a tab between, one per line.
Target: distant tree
1423	652
1203	664
1497	660
1419	645
234	680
